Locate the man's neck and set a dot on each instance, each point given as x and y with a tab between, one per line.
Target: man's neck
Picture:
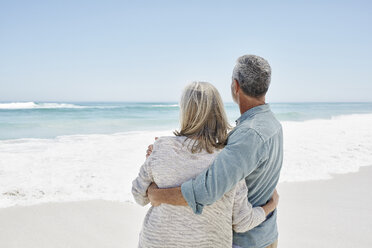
246	103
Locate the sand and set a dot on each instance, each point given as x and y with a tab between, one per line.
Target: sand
330	213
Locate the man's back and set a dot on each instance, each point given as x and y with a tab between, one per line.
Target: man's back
254	152
262	181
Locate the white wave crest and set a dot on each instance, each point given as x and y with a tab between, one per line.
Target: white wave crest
33	105
165	105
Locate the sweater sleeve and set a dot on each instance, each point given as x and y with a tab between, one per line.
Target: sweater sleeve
245	217
142	182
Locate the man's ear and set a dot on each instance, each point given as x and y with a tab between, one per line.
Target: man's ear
236	86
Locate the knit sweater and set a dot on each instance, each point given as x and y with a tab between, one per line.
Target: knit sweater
170	164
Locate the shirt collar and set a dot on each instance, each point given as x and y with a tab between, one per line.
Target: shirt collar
253	111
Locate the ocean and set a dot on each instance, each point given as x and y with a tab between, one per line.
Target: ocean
70	151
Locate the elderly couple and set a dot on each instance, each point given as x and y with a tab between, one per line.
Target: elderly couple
210	186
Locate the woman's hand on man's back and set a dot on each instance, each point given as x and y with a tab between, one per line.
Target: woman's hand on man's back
271	205
149	149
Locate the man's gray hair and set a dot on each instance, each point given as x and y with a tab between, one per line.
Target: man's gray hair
253	74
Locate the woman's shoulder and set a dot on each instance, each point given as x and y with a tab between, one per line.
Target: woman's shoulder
168	141
180	143
170	138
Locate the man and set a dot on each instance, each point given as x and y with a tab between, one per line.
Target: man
254	151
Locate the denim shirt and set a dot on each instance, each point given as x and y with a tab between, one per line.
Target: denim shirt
254	151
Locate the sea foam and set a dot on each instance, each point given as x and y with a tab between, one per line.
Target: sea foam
102	166
33	105
165	105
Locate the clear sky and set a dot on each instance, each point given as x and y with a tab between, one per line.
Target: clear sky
148	50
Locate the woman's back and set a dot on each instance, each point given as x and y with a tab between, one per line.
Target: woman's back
171	164
175	160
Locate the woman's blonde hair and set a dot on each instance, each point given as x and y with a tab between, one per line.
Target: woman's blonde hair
203	118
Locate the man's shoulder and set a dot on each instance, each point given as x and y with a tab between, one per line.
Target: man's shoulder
256	130
244	133
265	125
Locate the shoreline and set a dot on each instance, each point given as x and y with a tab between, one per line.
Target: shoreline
322	213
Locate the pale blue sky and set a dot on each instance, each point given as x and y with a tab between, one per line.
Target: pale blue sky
148	50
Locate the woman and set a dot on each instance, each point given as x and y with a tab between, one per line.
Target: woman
176	159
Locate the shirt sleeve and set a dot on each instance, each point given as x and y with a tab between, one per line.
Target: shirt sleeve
245	217
244	151
142	182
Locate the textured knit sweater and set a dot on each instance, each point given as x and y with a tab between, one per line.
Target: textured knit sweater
170	164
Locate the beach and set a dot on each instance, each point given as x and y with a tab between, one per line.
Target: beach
66	171
87	87
322	213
